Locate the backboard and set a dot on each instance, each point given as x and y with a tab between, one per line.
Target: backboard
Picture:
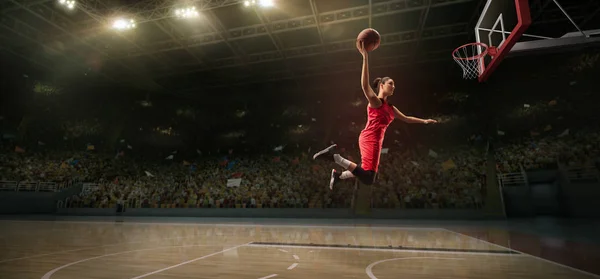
501	25
501	31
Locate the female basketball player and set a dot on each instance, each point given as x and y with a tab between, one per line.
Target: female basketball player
379	116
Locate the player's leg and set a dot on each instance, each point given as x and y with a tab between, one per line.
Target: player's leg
366	172
330	153
369	155
365	176
336	176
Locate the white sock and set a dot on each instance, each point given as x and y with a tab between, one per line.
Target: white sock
346	174
341	161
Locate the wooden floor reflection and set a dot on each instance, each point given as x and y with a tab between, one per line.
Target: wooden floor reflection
65	250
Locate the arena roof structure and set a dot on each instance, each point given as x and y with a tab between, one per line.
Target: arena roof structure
233	43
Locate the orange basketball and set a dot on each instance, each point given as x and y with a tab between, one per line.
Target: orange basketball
371	38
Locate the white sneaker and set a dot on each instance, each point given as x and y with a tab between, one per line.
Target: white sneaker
326	151
335	177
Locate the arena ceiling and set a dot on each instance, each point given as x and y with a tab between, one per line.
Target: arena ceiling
230	44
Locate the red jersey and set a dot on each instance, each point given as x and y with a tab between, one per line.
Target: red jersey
371	137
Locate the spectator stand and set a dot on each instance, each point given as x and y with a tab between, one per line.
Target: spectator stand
583	173
25	186
513	179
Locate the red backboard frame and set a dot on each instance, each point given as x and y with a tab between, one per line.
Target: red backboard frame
523	22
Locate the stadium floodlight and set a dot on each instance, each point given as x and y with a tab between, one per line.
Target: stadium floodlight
123	24
262	3
187	12
266	3
70	4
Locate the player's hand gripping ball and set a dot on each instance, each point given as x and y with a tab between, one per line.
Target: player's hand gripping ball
370	38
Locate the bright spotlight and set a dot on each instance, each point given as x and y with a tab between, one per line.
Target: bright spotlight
186	13
266	3
70	4
123	24
262	3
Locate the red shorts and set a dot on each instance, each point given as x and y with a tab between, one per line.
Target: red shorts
370	152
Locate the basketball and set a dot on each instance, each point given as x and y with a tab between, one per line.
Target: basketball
370	37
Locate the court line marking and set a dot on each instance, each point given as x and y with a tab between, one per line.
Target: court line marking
499	251
369	269
51	272
92	247
307	225
529	255
385	250
294	265
296	257
190	261
267	277
47	254
285	251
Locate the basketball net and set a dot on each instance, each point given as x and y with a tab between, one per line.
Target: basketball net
470	58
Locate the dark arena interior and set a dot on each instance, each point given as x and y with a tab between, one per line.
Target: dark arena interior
247	139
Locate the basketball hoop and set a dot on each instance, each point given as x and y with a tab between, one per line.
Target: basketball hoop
470	58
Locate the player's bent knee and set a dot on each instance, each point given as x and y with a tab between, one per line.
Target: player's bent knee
365	177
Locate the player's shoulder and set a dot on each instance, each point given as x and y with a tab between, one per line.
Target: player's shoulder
384	101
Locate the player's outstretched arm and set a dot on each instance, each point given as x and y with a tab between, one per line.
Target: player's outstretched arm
364	80
411	119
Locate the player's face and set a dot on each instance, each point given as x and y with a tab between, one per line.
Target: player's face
388	87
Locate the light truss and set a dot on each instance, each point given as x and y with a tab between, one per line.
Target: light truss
182	44
92	12
25	3
277	43
155	10
393	7
352	66
220	29
24	57
370	13
279	26
31	34
148	11
345	45
422	23
315	14
52	22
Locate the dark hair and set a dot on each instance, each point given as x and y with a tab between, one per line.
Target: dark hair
377	82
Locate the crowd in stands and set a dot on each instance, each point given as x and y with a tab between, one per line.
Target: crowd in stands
451	179
579	148
408	177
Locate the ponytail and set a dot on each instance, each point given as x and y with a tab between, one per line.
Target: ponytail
375	84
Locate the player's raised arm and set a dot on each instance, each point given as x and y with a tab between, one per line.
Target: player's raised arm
411	119
364	81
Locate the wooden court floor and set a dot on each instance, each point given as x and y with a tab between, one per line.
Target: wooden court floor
69	250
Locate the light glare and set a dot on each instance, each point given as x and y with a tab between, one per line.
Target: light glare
266	3
123	24
261	3
70	4
187	12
